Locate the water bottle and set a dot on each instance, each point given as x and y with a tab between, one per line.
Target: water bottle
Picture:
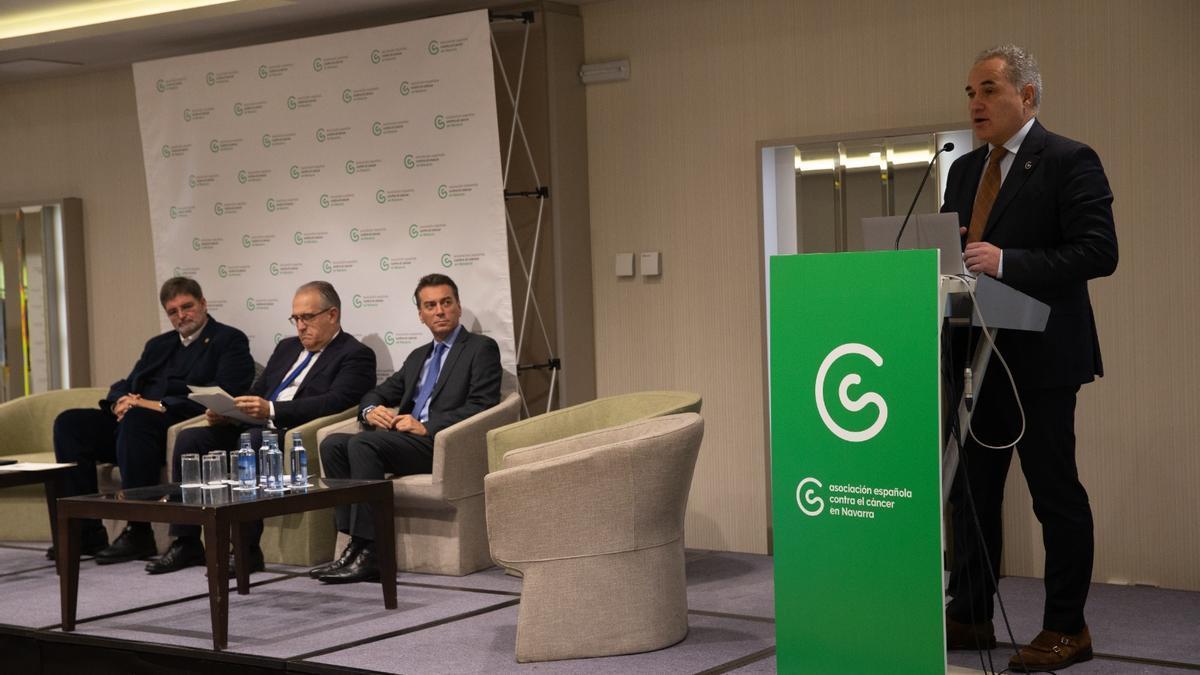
267	439
274	467
299	461
247	464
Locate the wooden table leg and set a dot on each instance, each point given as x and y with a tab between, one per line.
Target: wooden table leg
68	567
241	564
216	554
53	487
382	510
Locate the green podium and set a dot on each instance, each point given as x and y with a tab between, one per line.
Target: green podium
856	462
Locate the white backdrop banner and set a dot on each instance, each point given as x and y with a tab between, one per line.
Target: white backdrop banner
367	158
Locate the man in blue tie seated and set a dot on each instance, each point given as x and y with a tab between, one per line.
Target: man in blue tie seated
321	371
441	383
130	425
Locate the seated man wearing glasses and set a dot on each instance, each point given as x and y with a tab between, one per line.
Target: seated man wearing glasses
321	371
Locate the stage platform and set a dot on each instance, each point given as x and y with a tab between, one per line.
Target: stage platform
131	622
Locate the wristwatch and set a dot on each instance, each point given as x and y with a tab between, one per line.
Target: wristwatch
162	407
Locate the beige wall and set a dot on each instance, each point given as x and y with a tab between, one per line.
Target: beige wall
673	167
78	137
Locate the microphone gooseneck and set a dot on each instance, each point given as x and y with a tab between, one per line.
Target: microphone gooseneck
945	148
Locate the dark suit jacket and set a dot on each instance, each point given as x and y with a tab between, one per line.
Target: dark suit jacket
1053	219
468	383
219	357
339	379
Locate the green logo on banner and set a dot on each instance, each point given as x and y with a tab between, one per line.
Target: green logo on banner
434	47
404	88
210	79
222	271
266	140
439	122
376	128
246	241
357	301
250	304
380	196
414	231
192	181
160	86
243	176
219	209
389	338
298	238
442	192
447	261
324	201
350	166
375	56
347	96
273	268
187	114
278	337
354	234
237	109
855	404
291	103
385	264
174	213
326	266
263	72
270	205
214	146
409	162
166	151
321	135
294	172
195	243
317	65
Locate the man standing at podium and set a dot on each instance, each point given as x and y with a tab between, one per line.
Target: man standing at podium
1036	213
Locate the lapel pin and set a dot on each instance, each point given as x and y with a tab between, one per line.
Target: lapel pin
1028	165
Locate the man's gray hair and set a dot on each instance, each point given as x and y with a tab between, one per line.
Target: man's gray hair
329	295
1020	68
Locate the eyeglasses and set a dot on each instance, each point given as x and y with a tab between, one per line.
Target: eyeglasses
296	319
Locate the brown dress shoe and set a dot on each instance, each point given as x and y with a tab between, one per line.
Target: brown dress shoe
972	636
1052	650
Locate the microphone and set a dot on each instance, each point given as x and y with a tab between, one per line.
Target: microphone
945	148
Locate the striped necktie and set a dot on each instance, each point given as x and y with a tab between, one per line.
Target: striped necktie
989	187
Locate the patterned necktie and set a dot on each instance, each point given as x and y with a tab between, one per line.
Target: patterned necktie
291	376
431	376
989	187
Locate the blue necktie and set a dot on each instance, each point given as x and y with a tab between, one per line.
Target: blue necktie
431	376
291	376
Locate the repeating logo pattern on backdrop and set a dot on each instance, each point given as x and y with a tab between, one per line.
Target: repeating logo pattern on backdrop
245	134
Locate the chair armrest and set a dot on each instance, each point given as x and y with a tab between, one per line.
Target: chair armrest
460	456
573	505
174	429
347	426
309	432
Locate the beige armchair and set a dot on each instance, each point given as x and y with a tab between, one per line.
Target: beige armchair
601	413
594	523
440	525
298	538
27	427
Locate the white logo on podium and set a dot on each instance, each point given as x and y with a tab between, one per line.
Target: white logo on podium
809	504
853	405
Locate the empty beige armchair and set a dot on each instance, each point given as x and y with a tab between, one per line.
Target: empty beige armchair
440	525
594	523
601	413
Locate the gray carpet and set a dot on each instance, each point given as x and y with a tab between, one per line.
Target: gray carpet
484	643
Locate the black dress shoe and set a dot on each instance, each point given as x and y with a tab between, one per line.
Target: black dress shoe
348	554
254	557
92	541
364	567
133	544
184	552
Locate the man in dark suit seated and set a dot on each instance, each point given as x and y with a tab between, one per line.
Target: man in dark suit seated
441	383
130	425
321	371
1036	213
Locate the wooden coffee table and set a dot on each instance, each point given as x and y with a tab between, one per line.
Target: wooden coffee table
222	522
52	476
